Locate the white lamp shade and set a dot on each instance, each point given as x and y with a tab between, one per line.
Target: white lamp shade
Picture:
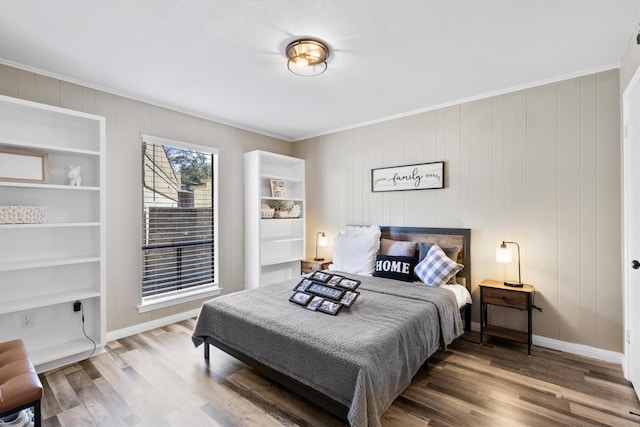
322	240
503	254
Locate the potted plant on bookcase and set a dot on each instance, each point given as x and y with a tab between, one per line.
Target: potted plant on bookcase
282	208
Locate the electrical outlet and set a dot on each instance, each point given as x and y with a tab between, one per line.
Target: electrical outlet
28	319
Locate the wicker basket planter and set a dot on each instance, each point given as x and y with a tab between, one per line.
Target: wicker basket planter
266	213
22	214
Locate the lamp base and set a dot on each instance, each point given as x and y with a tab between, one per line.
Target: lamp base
514	284
318	259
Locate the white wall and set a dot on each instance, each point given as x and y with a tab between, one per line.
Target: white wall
126	120
539	166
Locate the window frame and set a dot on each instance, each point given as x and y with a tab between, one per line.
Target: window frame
154	302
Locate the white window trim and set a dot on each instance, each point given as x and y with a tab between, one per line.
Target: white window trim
212	289
151	303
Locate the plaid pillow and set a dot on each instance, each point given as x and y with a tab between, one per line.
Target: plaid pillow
450	251
436	268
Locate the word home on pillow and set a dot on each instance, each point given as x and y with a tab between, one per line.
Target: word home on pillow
395	267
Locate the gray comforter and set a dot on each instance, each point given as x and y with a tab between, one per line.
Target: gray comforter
363	358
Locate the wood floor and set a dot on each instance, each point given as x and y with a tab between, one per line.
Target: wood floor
158	378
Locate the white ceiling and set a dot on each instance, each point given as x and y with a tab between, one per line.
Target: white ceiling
224	59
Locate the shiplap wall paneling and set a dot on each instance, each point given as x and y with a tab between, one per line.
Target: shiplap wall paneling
539	166
542	203
609	226
481	203
393	156
314	197
569	222
26	85
412	154
429	152
125	153
359	189
589	211
501	316
71	96
375	147
451	144
8	81
440	196
465	175
513	225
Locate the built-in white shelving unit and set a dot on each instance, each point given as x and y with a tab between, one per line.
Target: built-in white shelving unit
45	268
273	247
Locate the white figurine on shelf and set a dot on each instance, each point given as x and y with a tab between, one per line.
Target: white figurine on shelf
74	175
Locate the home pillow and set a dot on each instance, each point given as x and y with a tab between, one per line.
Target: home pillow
355	250
395	267
397	248
450	251
436	268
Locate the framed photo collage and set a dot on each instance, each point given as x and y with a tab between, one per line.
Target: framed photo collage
325	292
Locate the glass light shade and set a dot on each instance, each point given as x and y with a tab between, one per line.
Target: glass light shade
307	57
322	240
503	254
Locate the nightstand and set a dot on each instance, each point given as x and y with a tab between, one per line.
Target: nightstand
496	293
309	265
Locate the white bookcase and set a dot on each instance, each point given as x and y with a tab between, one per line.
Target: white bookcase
273	247
46	267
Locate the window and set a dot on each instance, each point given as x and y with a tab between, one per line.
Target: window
179	222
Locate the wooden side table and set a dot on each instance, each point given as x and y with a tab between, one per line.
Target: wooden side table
496	293
310	265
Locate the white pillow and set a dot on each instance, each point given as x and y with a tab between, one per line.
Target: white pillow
355	249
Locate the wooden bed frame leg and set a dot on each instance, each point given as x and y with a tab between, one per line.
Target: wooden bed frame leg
206	351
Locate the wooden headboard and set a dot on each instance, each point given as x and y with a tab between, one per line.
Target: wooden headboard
443	237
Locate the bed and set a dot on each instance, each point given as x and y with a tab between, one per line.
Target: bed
353	364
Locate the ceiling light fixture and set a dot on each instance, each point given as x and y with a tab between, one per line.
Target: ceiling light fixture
307	57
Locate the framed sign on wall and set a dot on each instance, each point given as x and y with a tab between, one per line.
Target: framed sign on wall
423	176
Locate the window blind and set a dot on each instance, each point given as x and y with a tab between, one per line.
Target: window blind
178	220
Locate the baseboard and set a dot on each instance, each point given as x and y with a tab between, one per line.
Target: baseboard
66	361
157	323
569	347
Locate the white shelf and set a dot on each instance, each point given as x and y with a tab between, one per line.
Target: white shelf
40	356
51	262
286	199
301	219
45	267
12	306
275	261
49	186
273	246
284	178
283	239
48	148
52	225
